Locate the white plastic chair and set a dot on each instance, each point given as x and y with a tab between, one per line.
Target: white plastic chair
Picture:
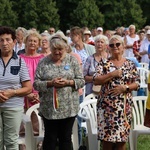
88	112
144	65
138	120
144	73
91	96
87	98
32	141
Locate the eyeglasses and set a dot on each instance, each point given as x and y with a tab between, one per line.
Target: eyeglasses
51	31
113	45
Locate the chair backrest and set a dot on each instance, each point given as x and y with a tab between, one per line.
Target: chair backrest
144	65
88	111
91	96
138	110
144	73
32	109
35	108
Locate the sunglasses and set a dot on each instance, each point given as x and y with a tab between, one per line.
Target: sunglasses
113	45
51	31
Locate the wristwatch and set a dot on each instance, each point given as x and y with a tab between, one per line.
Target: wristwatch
127	88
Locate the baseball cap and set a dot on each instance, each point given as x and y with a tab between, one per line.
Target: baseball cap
100	28
148	32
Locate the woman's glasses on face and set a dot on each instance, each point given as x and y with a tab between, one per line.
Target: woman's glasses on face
51	31
113	45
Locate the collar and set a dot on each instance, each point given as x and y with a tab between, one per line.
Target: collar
14	55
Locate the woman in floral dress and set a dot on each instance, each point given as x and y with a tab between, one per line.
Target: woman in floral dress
118	77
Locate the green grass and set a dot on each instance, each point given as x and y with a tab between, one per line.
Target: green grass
143	142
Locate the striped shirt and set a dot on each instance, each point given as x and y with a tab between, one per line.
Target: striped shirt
11	76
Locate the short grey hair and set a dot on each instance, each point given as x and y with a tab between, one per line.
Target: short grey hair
101	37
23	30
46	34
132	26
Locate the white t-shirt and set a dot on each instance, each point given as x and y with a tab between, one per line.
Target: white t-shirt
144	47
129	52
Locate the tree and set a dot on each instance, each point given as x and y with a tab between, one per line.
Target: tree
30	15
65	7
87	14
121	13
145	8
47	14
8	17
36	13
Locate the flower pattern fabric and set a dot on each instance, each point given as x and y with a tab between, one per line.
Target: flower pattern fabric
68	96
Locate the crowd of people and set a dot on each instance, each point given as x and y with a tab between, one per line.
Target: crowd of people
58	70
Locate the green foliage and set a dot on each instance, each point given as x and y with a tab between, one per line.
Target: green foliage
87	14
30	15
47	14
36	13
121	13
65	7
8	17
145	4
63	14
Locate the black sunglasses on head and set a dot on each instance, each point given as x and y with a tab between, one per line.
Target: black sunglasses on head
113	45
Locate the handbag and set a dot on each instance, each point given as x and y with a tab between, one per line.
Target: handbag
147	118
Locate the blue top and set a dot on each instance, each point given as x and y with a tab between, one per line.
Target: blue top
137	64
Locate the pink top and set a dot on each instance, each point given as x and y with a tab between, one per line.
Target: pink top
31	62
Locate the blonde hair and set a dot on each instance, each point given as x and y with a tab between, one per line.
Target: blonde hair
33	33
132	26
117	37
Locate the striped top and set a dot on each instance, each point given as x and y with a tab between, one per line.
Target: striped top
11	76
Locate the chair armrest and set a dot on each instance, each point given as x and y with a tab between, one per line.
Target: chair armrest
82	114
26	119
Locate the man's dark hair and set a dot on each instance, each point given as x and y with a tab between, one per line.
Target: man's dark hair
141	31
8	30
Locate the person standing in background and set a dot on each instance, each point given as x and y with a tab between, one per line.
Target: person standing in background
83	50
137	45
45	47
20	35
51	31
144	48
129	40
101	45
32	58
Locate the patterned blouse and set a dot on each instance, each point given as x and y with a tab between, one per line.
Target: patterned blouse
68	97
114	113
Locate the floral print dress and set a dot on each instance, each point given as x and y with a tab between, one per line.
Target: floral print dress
114	114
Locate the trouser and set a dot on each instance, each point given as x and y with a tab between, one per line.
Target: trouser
10	120
58	130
